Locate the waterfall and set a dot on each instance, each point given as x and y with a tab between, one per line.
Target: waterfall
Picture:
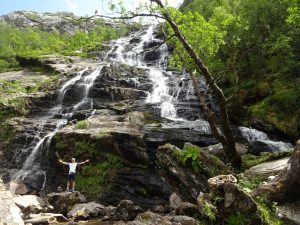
253	135
33	165
172	97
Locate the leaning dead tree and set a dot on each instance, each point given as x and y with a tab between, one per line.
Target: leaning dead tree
285	187
225	135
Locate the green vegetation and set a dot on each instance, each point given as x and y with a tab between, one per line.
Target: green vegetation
34	42
84	124
200	161
267	210
238	219
94	179
252	160
249	184
252	49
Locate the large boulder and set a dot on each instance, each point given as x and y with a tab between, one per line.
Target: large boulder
267	169
63	202
126	210
89	210
29	201
189	176
235	201
107	133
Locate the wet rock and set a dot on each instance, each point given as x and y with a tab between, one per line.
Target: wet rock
264	170
63	202
258	147
87	210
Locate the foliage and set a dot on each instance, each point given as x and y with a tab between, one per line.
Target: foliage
238	219
204	37
267	210
35	42
249	184
84	124
191	152
95	178
210	212
258	44
199	161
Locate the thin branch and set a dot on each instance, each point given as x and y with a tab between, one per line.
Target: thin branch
134	15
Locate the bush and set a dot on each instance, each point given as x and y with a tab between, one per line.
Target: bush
84	124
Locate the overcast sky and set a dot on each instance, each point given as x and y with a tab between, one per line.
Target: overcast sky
78	7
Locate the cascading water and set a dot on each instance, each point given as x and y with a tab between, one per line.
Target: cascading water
32	168
253	135
172	97
137	56
166	98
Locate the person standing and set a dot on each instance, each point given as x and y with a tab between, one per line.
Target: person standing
72	172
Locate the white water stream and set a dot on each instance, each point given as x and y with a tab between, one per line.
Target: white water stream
162	97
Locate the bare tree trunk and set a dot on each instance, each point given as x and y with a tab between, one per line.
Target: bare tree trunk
286	186
226	138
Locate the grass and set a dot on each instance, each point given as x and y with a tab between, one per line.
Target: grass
84	124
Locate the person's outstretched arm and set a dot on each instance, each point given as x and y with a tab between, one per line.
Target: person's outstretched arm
62	162
86	161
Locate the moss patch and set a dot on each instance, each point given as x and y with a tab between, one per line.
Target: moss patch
84	124
95	178
252	160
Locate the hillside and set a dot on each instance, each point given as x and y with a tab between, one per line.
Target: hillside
105	122
257	61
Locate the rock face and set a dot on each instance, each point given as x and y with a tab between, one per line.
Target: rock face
63	22
264	170
10	213
187	178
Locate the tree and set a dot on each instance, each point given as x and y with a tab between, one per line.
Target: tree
286	185
225	136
